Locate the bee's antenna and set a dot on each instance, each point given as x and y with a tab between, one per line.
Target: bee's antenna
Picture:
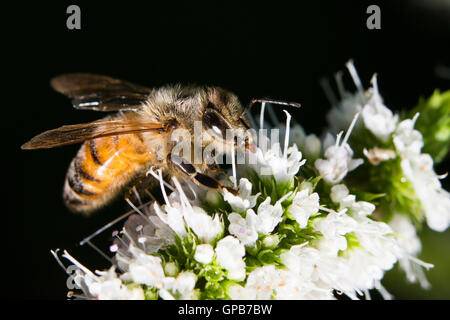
272	101
280	102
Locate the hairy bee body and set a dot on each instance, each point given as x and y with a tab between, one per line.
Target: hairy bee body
118	150
102	168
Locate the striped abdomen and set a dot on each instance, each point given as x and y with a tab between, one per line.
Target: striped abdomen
102	168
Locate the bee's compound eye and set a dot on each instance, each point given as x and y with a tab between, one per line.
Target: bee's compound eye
214	122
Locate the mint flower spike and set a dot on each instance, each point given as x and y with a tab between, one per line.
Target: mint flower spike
285	234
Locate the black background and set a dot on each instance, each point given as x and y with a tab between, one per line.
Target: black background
260	50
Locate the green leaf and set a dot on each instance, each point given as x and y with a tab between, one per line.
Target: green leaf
434	124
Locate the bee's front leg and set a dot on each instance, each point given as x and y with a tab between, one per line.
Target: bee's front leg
201	179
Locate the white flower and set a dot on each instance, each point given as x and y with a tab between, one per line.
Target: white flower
244	200
407	140
337	164
377	155
109	287
182	285
172	216
143	268
377	251
341	115
263	280
309	144
272	161
377	117
204	253
104	286
310	264
179	213
207	228
340	194
237	292
339	158
435	200
244	228
229	253
303	206
283	167
269	216
343	112
334	226
267	282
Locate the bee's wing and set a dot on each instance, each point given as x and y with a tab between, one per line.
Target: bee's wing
76	133
100	93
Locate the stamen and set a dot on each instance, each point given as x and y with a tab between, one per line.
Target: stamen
161	183
261	115
374	83
233	166
384	293
150	195
340	84
157	178
442	176
100	251
414	119
135	208
286	134
367	294
326	209
272	115
351	68
79	265
338	138
285	197
116	235
251	119
136	193
184	200
55	254
326	87
107	226
189	184
350	129
425	265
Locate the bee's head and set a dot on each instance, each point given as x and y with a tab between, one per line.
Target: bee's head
223	118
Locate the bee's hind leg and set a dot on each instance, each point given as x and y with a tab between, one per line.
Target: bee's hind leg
201	179
139	193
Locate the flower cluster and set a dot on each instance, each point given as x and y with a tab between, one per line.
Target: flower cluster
317	219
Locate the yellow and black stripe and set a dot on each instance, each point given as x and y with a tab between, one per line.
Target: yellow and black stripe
102	168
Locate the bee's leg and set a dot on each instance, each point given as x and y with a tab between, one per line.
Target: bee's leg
140	190
199	178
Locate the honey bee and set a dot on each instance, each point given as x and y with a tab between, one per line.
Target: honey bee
118	150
